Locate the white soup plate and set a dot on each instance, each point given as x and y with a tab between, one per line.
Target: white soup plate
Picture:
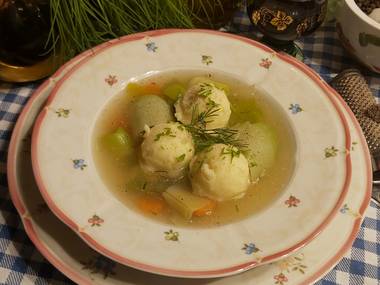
73	257
68	179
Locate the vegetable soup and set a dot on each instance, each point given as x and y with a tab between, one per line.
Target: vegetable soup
194	148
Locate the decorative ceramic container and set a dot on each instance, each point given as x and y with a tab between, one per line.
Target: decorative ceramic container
69	254
359	34
282	22
69	182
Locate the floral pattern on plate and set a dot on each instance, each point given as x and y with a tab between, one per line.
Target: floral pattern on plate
151	46
79	164
95	220
280	279
172	235
295	108
347	210
207	59
111	80
292	201
62	112
290	264
266	63
331	151
250	248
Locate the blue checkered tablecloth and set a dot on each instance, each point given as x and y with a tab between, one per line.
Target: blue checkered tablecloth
21	263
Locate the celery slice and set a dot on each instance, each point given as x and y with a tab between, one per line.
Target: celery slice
183	201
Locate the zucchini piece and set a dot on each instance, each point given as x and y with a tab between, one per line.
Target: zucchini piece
148	110
118	143
183	201
245	109
174	90
262	143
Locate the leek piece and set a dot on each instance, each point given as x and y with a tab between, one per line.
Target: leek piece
174	90
118	143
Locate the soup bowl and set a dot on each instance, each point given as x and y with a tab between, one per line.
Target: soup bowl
67	176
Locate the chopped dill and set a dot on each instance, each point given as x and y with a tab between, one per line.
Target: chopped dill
253	164
181	158
166	132
232	151
180	127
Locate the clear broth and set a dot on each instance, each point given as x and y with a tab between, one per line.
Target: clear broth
125	179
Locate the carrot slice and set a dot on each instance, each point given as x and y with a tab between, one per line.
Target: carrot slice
151	204
206	210
152	88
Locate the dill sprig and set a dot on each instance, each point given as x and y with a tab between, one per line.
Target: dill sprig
205	89
204	138
166	132
231	151
200	120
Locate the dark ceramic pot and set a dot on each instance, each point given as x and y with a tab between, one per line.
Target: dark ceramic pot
283	21
24	29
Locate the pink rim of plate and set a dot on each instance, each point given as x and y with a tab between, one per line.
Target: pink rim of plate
181	273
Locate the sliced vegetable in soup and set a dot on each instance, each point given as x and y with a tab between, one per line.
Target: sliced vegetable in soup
194	149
